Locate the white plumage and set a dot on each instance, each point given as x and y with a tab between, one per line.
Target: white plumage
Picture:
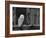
20	20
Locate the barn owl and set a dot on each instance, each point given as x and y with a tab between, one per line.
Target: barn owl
20	20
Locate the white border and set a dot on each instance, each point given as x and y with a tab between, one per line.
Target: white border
25	31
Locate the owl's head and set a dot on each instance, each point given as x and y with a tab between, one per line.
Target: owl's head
21	16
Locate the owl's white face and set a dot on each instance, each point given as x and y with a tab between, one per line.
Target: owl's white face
21	17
